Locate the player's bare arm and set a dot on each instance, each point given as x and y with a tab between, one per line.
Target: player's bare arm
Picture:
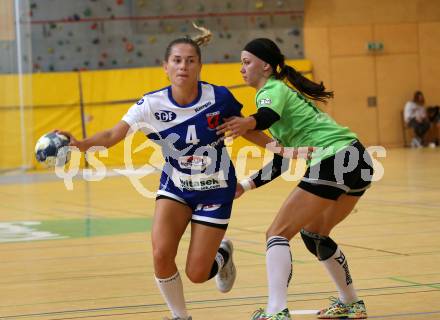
106	138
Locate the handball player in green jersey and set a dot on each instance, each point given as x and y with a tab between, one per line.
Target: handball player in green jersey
337	176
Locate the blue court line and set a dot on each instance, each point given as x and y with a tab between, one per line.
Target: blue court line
430	285
373	249
236	298
78	257
39	245
370	317
408	204
116	308
238	305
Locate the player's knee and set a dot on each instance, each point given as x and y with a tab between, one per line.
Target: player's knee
196	274
198	267
321	246
162	258
281	231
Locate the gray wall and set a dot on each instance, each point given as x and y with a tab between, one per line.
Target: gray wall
70	35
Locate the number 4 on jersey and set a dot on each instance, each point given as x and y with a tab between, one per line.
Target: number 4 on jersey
191	135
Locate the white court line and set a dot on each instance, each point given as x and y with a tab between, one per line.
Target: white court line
304	312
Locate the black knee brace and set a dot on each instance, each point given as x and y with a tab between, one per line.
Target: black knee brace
321	246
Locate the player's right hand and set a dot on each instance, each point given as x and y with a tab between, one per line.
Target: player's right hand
73	141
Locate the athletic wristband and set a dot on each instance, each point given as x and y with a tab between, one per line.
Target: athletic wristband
265	118
246	184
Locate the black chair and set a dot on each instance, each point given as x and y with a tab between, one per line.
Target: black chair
407	132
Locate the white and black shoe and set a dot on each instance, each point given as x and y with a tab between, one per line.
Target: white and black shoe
225	278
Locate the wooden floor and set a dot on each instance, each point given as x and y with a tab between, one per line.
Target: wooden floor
93	259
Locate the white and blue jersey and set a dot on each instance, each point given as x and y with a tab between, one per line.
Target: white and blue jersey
198	171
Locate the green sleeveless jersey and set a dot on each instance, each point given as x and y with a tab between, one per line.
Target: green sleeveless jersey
301	122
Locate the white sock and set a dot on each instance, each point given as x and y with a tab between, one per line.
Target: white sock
337	267
279	273
172	291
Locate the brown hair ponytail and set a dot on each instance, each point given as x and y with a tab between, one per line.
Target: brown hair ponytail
196	42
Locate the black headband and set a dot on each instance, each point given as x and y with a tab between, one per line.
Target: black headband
266	50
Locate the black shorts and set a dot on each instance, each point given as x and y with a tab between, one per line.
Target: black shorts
349	171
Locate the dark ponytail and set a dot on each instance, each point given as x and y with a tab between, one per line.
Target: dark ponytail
306	86
268	51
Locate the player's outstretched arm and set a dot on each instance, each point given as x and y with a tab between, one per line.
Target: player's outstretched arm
268	173
236	126
106	138
261	139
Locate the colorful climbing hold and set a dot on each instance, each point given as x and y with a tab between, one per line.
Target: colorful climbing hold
87	12
129	47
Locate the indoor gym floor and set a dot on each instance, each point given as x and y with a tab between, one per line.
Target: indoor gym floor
93	259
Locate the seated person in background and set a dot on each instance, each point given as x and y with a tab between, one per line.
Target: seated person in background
415	116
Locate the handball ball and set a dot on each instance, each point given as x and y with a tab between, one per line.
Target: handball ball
49	150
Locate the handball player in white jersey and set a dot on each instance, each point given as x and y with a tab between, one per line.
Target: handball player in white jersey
198	180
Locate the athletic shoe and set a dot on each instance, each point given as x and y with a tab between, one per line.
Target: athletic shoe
225	278
339	310
189	318
260	314
357	310
336	310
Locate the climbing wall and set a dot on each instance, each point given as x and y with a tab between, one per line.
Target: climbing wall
107	34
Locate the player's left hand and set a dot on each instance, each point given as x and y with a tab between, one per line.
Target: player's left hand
236	126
